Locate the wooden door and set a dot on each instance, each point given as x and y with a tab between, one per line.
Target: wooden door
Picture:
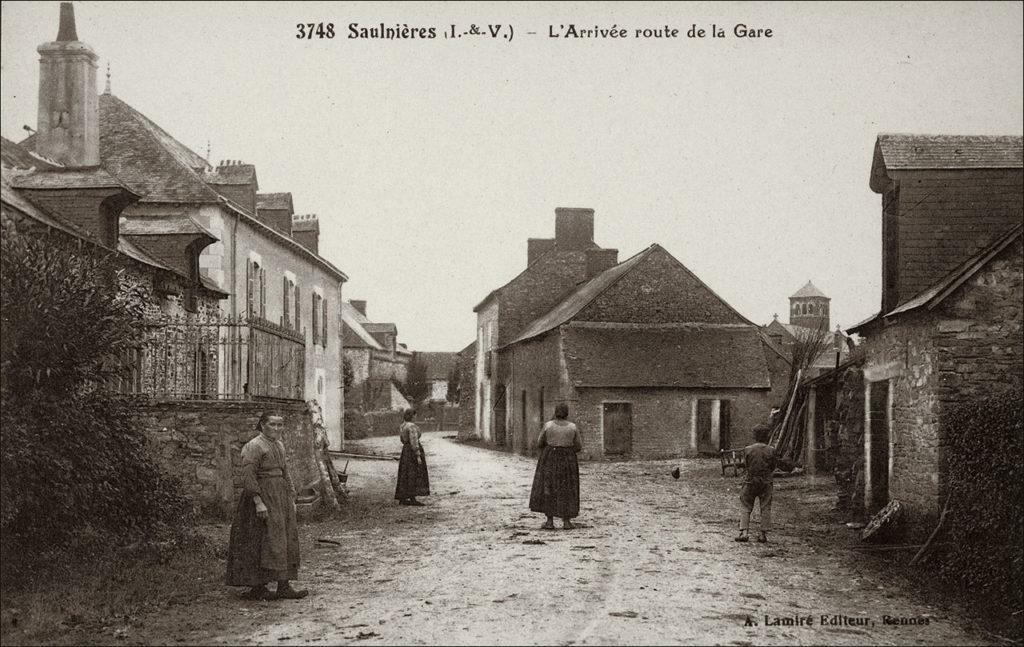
707	431
499	414
879	421
618	428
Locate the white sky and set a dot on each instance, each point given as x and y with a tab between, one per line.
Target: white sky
431	162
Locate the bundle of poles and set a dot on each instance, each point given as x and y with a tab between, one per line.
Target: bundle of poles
787	435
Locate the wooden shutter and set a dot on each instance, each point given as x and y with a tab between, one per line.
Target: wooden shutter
323	305
315	320
248	288
263	293
298	308
285	319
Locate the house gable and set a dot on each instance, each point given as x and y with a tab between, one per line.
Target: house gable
659	289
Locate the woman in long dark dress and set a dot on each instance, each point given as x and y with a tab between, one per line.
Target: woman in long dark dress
264	543
556	483
413	480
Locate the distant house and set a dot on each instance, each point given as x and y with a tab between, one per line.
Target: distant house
439	368
808	318
950	326
378	361
651	361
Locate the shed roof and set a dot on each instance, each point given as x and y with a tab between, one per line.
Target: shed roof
162	226
694	356
896	152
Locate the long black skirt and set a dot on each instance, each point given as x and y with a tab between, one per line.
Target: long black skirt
556	483
412	475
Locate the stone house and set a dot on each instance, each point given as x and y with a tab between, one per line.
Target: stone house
246	315
651	361
440	366
378	361
950	326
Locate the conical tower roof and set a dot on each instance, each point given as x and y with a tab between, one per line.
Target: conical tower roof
808	290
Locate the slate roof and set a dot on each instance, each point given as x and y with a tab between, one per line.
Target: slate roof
17	156
587	292
807	291
13	199
665	356
439	364
162	225
59	178
347	307
147	159
950	151
277	201
581	297
152	164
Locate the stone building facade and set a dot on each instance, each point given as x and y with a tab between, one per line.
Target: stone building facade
953	330
651	362
377	360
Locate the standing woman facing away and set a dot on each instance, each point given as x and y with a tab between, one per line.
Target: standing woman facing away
264	543
412	466
556	483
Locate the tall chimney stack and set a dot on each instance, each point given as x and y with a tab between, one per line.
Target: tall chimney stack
68	120
574	228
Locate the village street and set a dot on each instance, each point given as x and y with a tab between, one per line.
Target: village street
654	562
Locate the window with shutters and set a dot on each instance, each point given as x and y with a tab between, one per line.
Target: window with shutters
298	308
256	290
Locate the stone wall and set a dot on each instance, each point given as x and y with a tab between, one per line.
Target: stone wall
200	442
969	346
663	418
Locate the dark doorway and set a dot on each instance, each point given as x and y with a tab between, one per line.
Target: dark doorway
724	424
499	415
879	421
618	428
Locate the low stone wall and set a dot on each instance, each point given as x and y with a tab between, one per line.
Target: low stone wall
200	442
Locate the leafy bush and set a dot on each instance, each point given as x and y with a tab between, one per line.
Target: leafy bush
70	459
986	484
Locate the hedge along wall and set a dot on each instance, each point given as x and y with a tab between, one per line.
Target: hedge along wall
985	535
201	442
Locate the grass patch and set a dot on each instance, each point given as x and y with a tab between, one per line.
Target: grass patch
95	591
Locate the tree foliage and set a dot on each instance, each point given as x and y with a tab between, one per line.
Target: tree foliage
454	385
71	457
416	386
985	551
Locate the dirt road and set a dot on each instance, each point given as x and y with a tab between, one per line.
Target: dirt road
654	562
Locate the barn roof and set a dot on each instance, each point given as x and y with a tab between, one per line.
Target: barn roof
896	152
680	356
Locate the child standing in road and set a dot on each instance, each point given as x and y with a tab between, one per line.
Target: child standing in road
759	459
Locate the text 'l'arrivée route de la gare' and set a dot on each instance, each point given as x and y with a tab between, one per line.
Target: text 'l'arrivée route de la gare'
507	32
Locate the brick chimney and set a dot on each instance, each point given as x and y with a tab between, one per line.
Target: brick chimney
574	228
236	180
599	260
537	247
68	129
360	306
306	230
